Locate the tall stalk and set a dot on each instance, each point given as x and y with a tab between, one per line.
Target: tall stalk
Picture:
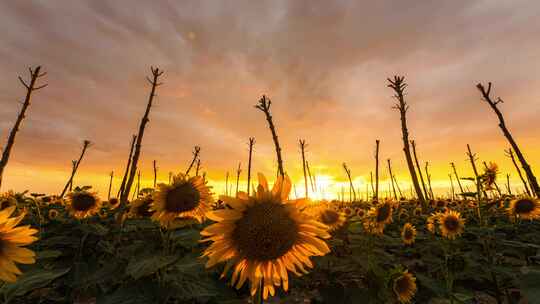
251	143
238	171
413	144
398	85
264	105
196	152
392	178
34	75
377	142
510	154
111	175
352	192
457	176
86	144
303	150
502	124
128	166
156	73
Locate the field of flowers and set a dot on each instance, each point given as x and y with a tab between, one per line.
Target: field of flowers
177	244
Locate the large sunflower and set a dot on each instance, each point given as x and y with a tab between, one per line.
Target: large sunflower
404	287
408	234
451	224
140	207
11	238
525	208
378	217
83	204
263	237
183	198
332	218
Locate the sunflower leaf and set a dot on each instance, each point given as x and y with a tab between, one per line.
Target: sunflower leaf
143	266
31	280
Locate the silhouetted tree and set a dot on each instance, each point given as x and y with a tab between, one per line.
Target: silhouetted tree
264	106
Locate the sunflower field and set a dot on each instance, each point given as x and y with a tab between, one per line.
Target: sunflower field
178	244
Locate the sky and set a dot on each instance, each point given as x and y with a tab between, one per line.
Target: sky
324	65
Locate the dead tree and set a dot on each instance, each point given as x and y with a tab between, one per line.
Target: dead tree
86	144
377	142
110	185
31	87
238	171
73	165
428	177
227	184
452	186
311	178
303	149
524	164
510	154
392	179
472	159
155	173
264	106
196	152
457	176
508	189
413	144
352	192
198	167
156	73
251	143
398	85
128	166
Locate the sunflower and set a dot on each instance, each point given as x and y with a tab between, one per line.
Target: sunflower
525	208
11	238
264	237
408	234
183	198
360	212
82	204
348	212
53	214
490	176
404	287
102	213
113	203
140	207
431	220
379	216
7	200
330	217
451	224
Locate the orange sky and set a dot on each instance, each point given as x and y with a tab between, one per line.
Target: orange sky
324	64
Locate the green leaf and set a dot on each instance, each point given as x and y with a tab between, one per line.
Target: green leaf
31	280
187	238
48	254
146	265
530	284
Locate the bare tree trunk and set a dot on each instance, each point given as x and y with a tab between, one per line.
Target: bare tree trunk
34	75
238	171
452	187
264	106
86	144
138	186
311	178
155	173
156	73
526	167
352	192
392	179
428	176
302	148
510	154
457	177
227	184
472	159
128	166
198	167
398	85
251	143
377	142
73	165
508	189
413	144
110	185
196	152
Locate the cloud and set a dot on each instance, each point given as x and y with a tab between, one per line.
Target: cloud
323	63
